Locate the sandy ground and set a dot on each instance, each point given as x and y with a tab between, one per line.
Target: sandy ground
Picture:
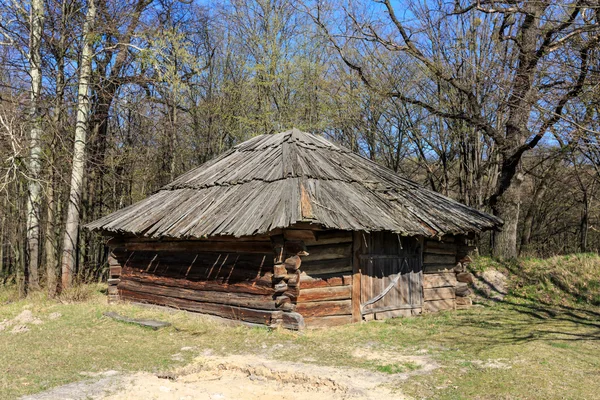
240	377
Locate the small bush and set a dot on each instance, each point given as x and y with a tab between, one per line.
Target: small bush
80	293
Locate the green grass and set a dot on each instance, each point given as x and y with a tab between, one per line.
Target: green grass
519	349
569	280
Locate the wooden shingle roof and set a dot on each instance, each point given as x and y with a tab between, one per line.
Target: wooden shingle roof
275	181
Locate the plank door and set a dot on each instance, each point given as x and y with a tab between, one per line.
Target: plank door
390	275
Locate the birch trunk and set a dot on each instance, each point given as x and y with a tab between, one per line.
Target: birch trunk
83	107
35	149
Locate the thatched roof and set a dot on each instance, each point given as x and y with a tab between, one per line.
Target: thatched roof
275	181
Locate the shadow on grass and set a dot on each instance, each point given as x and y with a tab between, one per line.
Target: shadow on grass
518	320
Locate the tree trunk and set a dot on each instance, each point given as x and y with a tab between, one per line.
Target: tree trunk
35	149
507	207
538	196
585	218
2	236
50	243
83	106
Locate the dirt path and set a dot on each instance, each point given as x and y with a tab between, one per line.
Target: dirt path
236	377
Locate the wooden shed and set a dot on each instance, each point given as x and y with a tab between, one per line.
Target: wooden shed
292	230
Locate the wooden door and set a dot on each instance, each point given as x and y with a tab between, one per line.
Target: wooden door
390	271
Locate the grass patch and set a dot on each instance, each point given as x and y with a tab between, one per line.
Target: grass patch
521	348
397	368
569	280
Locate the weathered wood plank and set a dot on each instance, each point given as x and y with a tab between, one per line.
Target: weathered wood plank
324	308
325	293
442	279
147	323
429	259
261	285
330	237
437	268
238	313
326	322
258	247
203	266
357	250
329	252
261	302
442	293
332	266
309	282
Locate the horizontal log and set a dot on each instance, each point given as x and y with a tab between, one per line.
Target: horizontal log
325	322
439	305
261	302
114	270
112	290
438	293
328	252
439	259
257	286
113	281
443	279
323	267
258	247
324	308
309	282
232	312
324	293
113	261
434	246
200	267
437	268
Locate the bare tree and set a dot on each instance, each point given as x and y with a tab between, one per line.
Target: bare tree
34	184
71	234
538	35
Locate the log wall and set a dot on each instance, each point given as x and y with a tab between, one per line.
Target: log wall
296	278
440	260
227	278
326	277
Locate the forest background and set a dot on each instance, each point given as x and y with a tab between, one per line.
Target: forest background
102	102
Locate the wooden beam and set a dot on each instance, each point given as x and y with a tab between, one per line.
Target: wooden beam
324	308
264	317
443	279
259	247
357	249
442	293
326	322
325	293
